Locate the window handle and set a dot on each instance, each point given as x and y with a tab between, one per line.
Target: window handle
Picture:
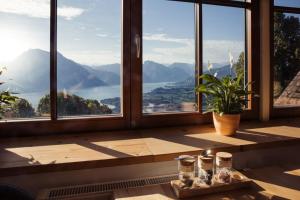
138	45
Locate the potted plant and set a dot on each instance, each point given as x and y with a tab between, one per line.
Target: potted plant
226	98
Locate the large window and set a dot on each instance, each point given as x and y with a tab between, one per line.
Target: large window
168	56
24	57
286	62
109	64
223	42
89	58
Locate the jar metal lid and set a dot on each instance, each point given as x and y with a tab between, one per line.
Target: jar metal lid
224	156
186	160
206	159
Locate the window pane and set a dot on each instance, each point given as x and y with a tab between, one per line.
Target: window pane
89	57
286	59
223	36
168	56
24	57
288	3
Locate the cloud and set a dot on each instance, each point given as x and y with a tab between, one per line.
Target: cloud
165	52
164	38
37	9
215	51
69	12
99	57
101	35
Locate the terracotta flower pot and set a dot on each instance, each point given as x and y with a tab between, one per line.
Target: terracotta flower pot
226	124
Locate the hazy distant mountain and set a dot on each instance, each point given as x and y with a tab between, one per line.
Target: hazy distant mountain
188	68
114	68
110	78
154	72
72	75
215	65
30	72
220	72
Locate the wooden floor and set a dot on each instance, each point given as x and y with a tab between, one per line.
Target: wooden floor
103	149
276	183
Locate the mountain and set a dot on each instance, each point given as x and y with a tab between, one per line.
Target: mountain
220	72
71	75
109	77
188	68
154	72
215	65
114	68
30	72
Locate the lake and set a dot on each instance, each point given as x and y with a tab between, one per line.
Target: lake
99	93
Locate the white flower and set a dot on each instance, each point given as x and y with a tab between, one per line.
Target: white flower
216	74
65	93
2	70
231	59
209	66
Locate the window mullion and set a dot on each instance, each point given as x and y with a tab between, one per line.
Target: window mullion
136	62
198	50
53	60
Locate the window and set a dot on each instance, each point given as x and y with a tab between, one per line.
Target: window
286	62
89	58
168	56
223	40
114	64
24	57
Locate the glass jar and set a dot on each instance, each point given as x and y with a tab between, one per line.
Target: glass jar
223	167
205	169
186	169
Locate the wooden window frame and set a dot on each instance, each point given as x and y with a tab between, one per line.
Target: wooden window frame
131	104
278	112
55	125
141	120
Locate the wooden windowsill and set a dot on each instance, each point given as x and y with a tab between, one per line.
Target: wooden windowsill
108	149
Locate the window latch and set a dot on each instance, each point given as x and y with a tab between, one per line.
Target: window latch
138	45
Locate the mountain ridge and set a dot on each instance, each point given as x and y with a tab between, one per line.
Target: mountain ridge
72	75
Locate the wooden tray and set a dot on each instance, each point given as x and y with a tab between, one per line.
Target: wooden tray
193	191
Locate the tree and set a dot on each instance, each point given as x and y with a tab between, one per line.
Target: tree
73	105
286	50
44	105
21	108
239	66
6	99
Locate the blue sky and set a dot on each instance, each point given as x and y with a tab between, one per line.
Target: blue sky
169	32
89	30
290	3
